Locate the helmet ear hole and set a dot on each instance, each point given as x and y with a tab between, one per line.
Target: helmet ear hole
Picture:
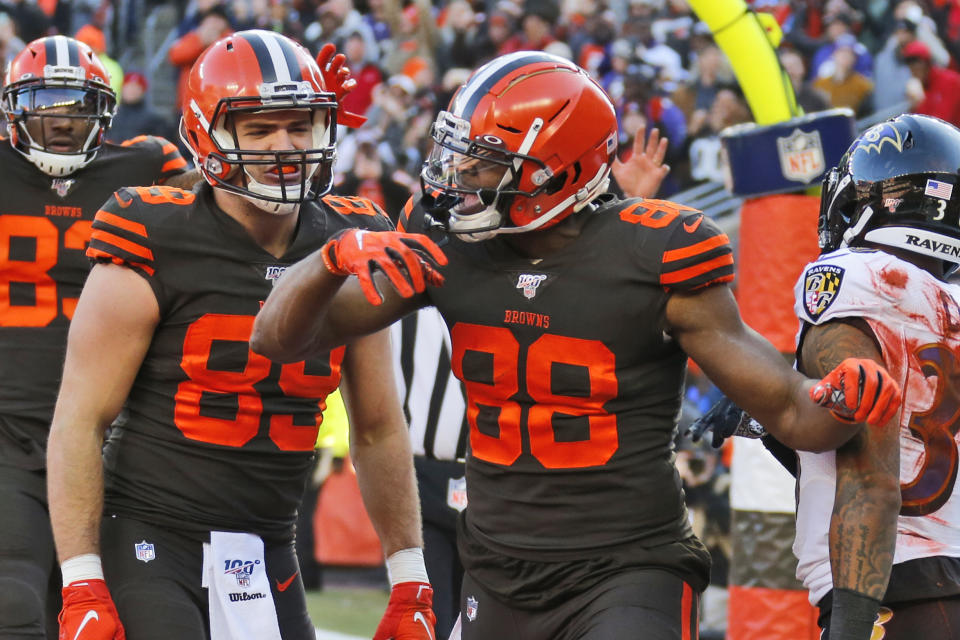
555	184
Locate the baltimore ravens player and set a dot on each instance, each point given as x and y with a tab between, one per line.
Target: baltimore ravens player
878	521
55	172
187	528
571	315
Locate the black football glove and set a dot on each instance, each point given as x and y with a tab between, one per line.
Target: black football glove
725	419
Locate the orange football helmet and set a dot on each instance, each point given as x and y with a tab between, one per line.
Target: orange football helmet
258	71
57	77
527	141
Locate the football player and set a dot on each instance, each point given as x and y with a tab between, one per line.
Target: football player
878	521
186	528
571	315
55	172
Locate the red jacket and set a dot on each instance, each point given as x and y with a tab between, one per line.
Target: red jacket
942	100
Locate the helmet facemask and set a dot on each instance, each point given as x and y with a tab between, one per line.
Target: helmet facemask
64	95
312	167
478	179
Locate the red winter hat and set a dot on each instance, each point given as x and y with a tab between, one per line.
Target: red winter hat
916	49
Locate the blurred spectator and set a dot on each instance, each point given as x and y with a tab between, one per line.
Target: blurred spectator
30	20
369	177
808	98
642	106
462	37
10	44
497	30
212	25
839	30
94	38
932	90
536	27
706	157
390	113
844	85
892	68
366	74
134	116
925	29
621	55
335	21
415	35
710	71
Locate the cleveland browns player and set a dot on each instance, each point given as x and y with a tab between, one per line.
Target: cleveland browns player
55	172
571	315
878	520
185	527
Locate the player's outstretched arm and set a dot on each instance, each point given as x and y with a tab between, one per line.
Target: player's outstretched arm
863	526
380	450
358	283
756	377
109	336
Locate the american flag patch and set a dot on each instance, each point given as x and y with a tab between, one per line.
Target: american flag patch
938	189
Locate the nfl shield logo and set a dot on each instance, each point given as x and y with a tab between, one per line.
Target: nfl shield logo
62	186
145	551
471	608
457	493
529	283
801	156
820	286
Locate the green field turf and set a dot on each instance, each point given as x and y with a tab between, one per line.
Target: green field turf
349	610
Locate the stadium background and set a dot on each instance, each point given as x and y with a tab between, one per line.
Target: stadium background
661	64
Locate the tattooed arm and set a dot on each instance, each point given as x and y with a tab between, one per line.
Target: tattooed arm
863	526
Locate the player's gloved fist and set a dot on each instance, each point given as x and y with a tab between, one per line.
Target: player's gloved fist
336	78
725	419
409	260
859	390
89	613
409	614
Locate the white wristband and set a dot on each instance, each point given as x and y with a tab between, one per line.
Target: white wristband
406	565
82	567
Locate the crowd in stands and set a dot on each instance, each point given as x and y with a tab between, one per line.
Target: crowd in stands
655	58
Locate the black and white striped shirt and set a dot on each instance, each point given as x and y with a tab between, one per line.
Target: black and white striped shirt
433	398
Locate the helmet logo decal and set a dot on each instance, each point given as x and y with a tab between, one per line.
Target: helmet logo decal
874	138
529	283
801	156
489	139
820	286
938	189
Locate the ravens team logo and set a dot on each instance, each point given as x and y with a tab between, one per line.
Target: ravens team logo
820	286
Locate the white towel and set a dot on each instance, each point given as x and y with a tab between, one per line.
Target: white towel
234	573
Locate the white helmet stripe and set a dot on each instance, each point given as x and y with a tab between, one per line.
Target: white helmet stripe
483	80
280	68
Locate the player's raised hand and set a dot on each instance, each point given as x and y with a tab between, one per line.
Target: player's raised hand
643	172
409	260
89	613
859	390
409	614
337	78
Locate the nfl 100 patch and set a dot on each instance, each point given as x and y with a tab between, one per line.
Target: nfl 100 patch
820	286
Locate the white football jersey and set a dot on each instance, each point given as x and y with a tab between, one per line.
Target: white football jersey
916	319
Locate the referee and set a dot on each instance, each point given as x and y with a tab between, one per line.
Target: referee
433	401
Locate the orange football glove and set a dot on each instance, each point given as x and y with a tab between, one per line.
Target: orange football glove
859	390
409	260
89	613
409	614
336	78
